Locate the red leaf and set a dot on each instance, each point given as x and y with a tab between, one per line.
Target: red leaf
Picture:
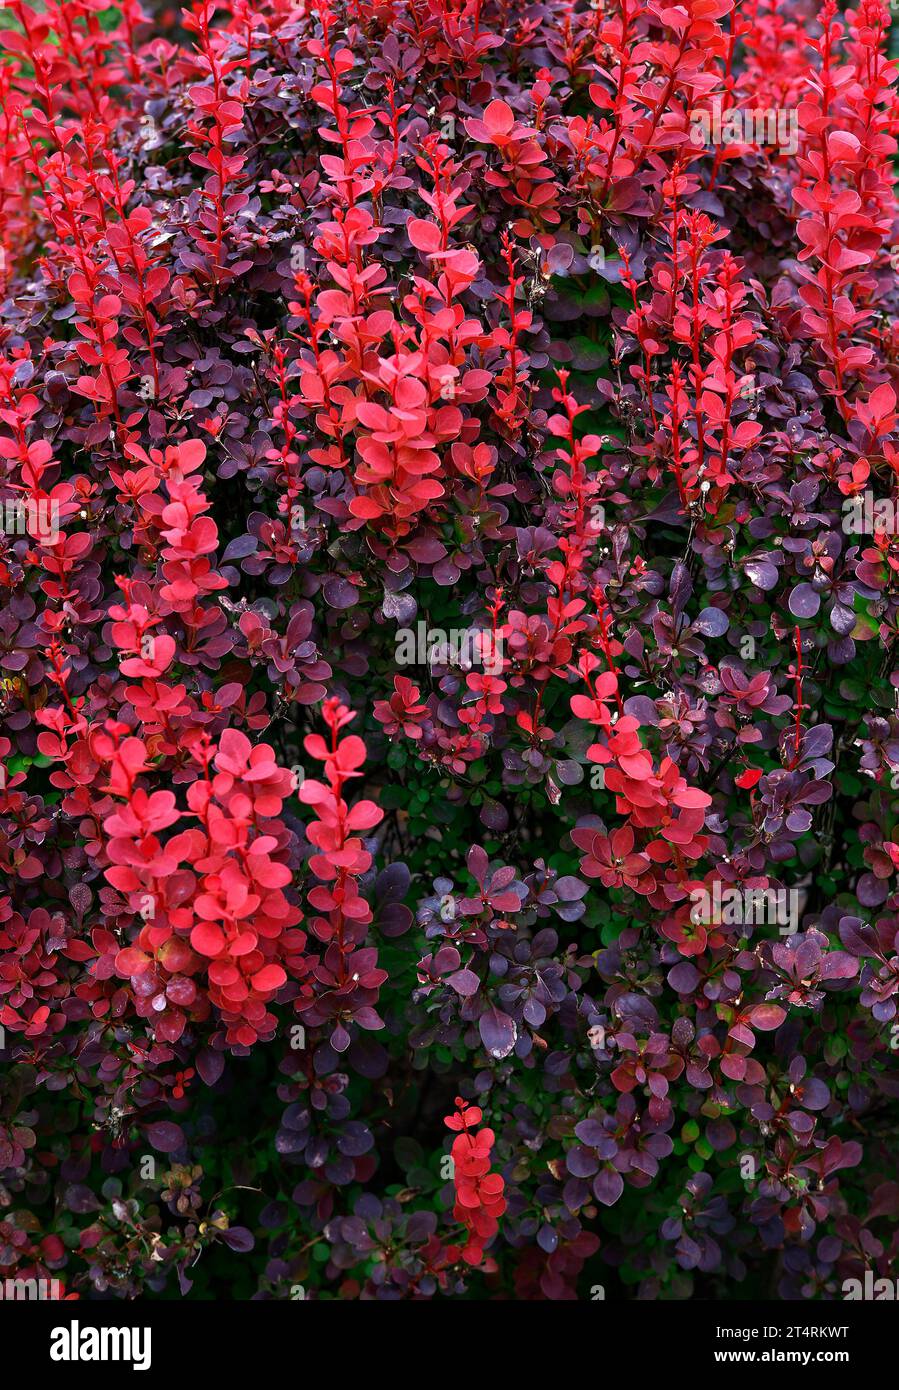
423	235
207	939
767	1017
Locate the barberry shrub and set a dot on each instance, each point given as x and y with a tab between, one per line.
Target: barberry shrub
335	333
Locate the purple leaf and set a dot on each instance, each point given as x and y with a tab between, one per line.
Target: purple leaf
238	1238
465	982
210	1065
804	601
498	1032
762	574
165	1136
712	622
608	1186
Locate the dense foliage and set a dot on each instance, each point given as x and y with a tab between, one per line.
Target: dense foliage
343	958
